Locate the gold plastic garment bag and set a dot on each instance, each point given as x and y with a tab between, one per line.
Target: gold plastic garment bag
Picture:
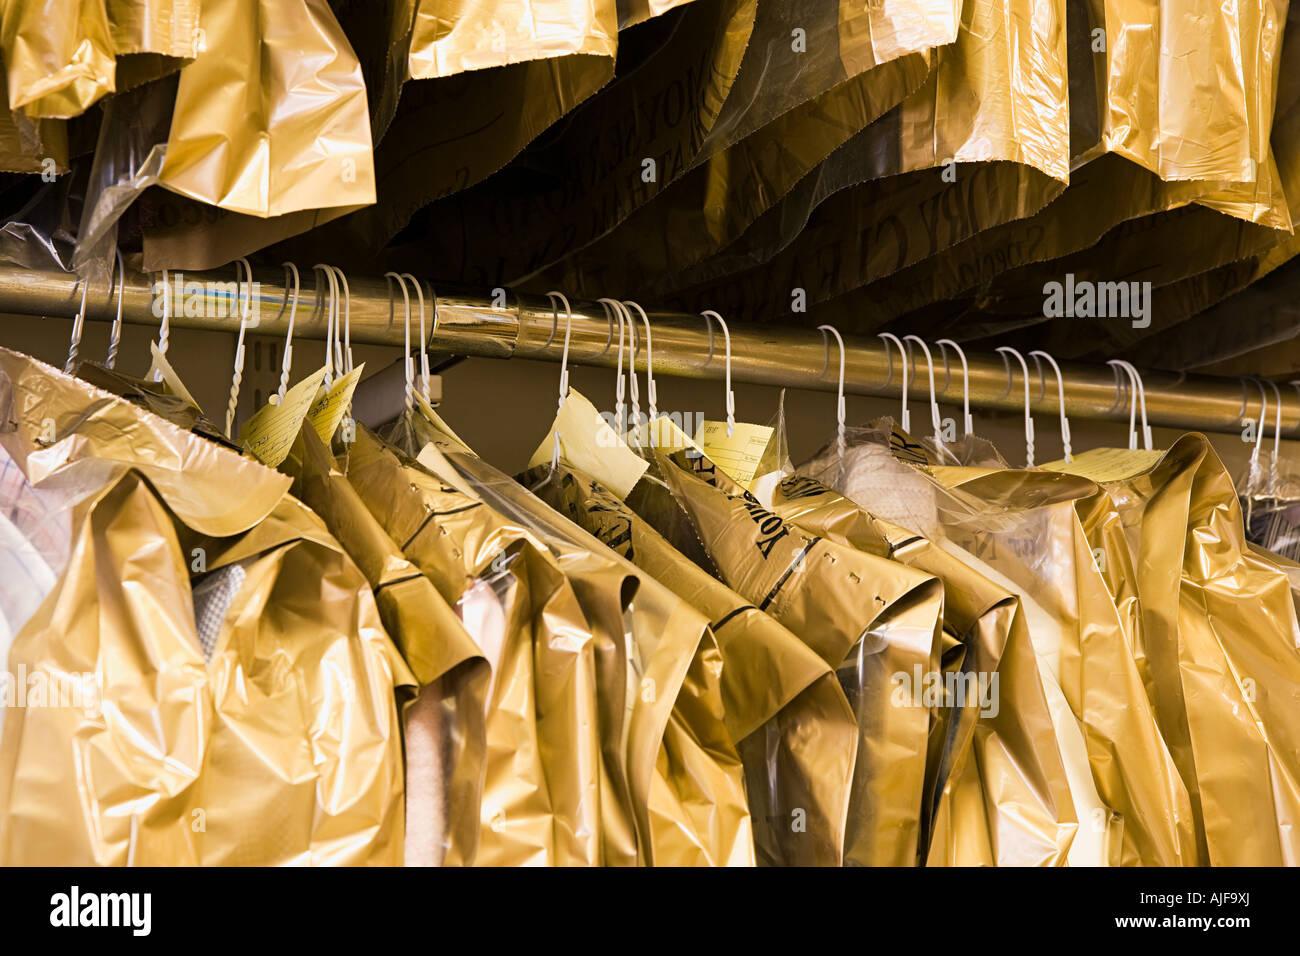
274	79
1215	637
865	616
684	777
244	706
1023	530
783	705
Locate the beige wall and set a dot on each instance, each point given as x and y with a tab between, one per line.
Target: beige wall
504	409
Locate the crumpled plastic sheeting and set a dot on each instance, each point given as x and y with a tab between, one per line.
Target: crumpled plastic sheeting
59	56
1003	798
1217	642
27	145
479	34
784	708
1189	86
443	726
670	759
787	114
271	117
536	797
166	27
283	749
1093	664
865	616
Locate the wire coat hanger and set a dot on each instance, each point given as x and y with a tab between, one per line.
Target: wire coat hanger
968	422
287	363
652	395
1140	402
424	355
407	362
331	313
1029	421
115	334
1060	391
78	325
612	307
564	384
935	421
244	312
726	338
840	443
164	329
888	337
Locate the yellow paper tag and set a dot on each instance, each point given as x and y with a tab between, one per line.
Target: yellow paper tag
662	433
270	433
169	376
589	444
738	454
1107	464
328	410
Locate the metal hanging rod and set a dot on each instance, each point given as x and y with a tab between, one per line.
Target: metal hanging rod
503	324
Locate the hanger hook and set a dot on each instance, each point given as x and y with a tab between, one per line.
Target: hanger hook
1004	350
1128	385
564	379
1277	432
164	328
968	423
424	355
652	395
347	320
287	364
888	337
1260	424
935	420
241	268
408	362
78	325
839	390
634	345
1140	402
1060	391
115	334
611	306
331	313
726	338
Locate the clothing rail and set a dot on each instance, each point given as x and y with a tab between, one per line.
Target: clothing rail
503	324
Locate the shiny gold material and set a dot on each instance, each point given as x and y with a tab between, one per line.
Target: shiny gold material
166	27
1026	816
447	38
1217	646
538	800
58	56
1188	89
443	727
285	744
1027	527
271	116
791	117
869	618
784	708
690	807
596	166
